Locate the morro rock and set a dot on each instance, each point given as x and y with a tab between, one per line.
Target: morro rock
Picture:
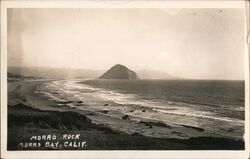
119	72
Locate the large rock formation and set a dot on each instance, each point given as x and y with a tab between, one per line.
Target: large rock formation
119	72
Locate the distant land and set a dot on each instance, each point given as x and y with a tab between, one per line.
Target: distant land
119	72
58	73
149	74
67	73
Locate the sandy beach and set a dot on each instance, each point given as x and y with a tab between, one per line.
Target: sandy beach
31	111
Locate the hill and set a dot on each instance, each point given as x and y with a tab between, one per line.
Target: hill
119	72
149	74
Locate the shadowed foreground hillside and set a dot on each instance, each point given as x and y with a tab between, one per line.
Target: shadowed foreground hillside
24	121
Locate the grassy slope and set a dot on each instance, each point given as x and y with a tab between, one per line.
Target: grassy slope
23	122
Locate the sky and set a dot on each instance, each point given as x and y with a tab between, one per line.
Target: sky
188	43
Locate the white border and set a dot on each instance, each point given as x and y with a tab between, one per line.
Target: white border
115	154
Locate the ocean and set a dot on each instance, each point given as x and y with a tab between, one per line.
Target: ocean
216	106
226	98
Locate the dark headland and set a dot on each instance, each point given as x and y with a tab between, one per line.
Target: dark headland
119	72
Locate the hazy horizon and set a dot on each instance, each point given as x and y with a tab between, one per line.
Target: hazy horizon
186	43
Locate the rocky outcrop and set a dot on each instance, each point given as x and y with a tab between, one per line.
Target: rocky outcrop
119	72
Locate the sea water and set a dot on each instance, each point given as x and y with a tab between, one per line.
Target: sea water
216	106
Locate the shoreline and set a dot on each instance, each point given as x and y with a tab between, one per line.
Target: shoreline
131	130
24	122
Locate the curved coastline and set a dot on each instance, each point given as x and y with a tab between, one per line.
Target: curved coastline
135	130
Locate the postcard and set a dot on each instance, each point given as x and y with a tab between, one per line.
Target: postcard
124	79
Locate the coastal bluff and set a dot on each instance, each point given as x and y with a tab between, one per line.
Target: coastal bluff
119	72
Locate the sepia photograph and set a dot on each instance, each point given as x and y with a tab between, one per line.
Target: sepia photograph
130	78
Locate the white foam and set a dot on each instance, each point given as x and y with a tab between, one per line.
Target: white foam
198	114
73	87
